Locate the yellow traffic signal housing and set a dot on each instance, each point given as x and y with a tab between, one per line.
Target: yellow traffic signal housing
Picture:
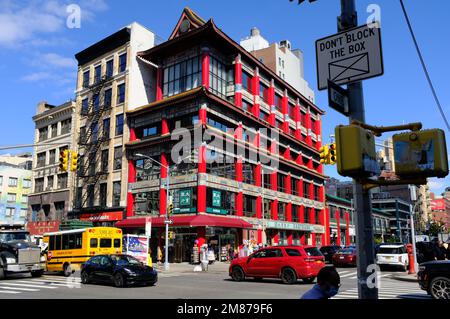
324	154
64	160
420	154
332	154
170	210
356	148
74	161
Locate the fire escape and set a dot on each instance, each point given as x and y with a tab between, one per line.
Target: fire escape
91	138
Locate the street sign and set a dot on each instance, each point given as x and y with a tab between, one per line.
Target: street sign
349	56
168	221
338	98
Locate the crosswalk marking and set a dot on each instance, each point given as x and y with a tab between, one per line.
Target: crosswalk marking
348	275
22	283
20	289
9	292
59	284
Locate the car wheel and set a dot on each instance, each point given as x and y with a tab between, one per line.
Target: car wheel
37	273
67	270
308	280
237	274
84	278
288	276
440	288
118	280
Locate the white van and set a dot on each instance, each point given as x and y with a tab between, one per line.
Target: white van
393	255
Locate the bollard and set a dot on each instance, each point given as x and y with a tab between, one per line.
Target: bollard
411	264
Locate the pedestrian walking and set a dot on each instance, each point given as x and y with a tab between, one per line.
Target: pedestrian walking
328	283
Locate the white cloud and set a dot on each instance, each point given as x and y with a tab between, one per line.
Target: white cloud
437	185
56	60
29	20
36	77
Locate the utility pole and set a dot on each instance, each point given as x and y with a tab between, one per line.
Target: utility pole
363	210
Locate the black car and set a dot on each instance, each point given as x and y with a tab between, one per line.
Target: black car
120	270
434	277
329	251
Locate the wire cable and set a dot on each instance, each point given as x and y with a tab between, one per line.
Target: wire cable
424	66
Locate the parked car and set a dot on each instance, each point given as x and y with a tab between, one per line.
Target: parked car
393	255
345	257
329	251
434	278
289	263
120	270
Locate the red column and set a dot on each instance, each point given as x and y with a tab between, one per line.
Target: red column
205	67
238	81
132	134
299	159
338	225
298	121
347	228
274	204
163	190
131	179
310	164
301	191
285	111
159	81
255	91
318	129
201	188
271	102
311	191
322	222
202	114
240	195
308	127
201	236
312	220
164	126
288	182
287	153
327	226
301	218
322	194
258	183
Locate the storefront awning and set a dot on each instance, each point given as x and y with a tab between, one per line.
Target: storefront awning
187	221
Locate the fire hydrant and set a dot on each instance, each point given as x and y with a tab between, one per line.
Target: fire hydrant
410	251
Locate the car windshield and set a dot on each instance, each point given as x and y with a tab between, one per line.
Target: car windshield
346	251
123	260
313	251
388	250
13	236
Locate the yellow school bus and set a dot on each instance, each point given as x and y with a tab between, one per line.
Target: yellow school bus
68	249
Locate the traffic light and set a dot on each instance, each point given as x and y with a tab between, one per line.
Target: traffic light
357	154
324	154
64	160
170	209
332	154
420	154
74	161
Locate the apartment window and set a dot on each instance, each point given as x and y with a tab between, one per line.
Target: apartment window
109	68
86	76
11	198
43	133
94	129
66	126
279	102
62	180
150	131
294	190
249	206
217	77
23	213
306	217
122	62
306	189
84	106
119	124
116	194
182	76
96	102
12	182
97	73
295	211
52	157
146	170
247	172
10	212
246	106
103	194
106	128
280	182
281	211
104	166
117	158
263	92
121	93
83	135
90	195
108	98
92	163
39	185
246	82
26	183
54	132
49	183
218	125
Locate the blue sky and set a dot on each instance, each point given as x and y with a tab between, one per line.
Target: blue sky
37	52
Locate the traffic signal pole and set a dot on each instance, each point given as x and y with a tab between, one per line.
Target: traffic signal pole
365	259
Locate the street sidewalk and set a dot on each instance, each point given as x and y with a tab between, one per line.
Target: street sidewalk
216	267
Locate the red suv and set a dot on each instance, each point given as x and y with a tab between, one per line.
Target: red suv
286	262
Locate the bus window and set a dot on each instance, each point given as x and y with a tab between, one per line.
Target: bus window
57	242
65	242
105	242
117	243
51	243
94	243
78	240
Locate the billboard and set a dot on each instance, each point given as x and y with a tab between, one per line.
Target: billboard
136	246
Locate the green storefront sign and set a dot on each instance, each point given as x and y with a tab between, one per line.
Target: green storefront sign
185	197
216	198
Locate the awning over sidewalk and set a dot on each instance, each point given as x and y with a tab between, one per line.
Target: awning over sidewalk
187	221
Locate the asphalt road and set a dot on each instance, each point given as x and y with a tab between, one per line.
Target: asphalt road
215	284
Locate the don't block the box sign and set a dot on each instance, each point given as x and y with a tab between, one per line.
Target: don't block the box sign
420	154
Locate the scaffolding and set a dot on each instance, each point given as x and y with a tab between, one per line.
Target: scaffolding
91	138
